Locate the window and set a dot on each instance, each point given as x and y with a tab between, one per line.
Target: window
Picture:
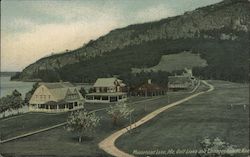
61	106
105	89
113	99
97	97
70	106
89	97
49	97
105	98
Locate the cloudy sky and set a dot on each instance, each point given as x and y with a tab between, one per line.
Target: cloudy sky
33	29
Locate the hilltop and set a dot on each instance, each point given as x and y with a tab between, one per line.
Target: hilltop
219	33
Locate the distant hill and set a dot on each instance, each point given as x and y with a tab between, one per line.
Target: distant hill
6	73
219	33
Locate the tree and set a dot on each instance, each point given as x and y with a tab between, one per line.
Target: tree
31	92
118	111
83	123
4	104
16	100
13	101
83	91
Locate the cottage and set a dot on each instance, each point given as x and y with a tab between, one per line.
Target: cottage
148	89
107	90
56	97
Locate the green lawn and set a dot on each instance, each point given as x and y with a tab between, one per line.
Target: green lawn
29	122
207	115
20	124
62	143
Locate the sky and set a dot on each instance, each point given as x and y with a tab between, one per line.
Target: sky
32	29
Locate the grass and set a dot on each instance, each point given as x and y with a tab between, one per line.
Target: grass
29	122
174	62
59	142
208	115
33	121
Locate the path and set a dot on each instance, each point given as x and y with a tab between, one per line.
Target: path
108	144
32	133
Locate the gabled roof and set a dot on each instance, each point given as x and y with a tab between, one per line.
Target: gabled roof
57	85
105	82
59	91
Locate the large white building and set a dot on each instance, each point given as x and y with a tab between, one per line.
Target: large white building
107	90
56	97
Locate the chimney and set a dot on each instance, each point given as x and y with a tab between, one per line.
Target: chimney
149	81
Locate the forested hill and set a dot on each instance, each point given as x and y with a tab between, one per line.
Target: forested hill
219	33
7	73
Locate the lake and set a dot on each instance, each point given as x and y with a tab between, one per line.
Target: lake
7	86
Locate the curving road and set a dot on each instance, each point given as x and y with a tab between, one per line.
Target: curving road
108	144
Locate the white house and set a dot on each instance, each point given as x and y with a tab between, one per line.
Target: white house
107	90
56	97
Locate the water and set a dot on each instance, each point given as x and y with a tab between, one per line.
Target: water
7	86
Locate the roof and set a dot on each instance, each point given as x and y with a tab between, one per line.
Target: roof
57	85
149	87
180	79
106	94
59	91
106	82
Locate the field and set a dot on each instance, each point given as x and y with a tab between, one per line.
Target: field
184	126
28	122
59	142
174	62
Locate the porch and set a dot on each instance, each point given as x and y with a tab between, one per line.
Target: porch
53	106
106	97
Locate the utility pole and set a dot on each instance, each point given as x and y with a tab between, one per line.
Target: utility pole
168	97
130	122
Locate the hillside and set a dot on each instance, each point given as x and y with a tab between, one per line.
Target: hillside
174	62
219	33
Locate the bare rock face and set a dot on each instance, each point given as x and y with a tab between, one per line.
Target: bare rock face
230	14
